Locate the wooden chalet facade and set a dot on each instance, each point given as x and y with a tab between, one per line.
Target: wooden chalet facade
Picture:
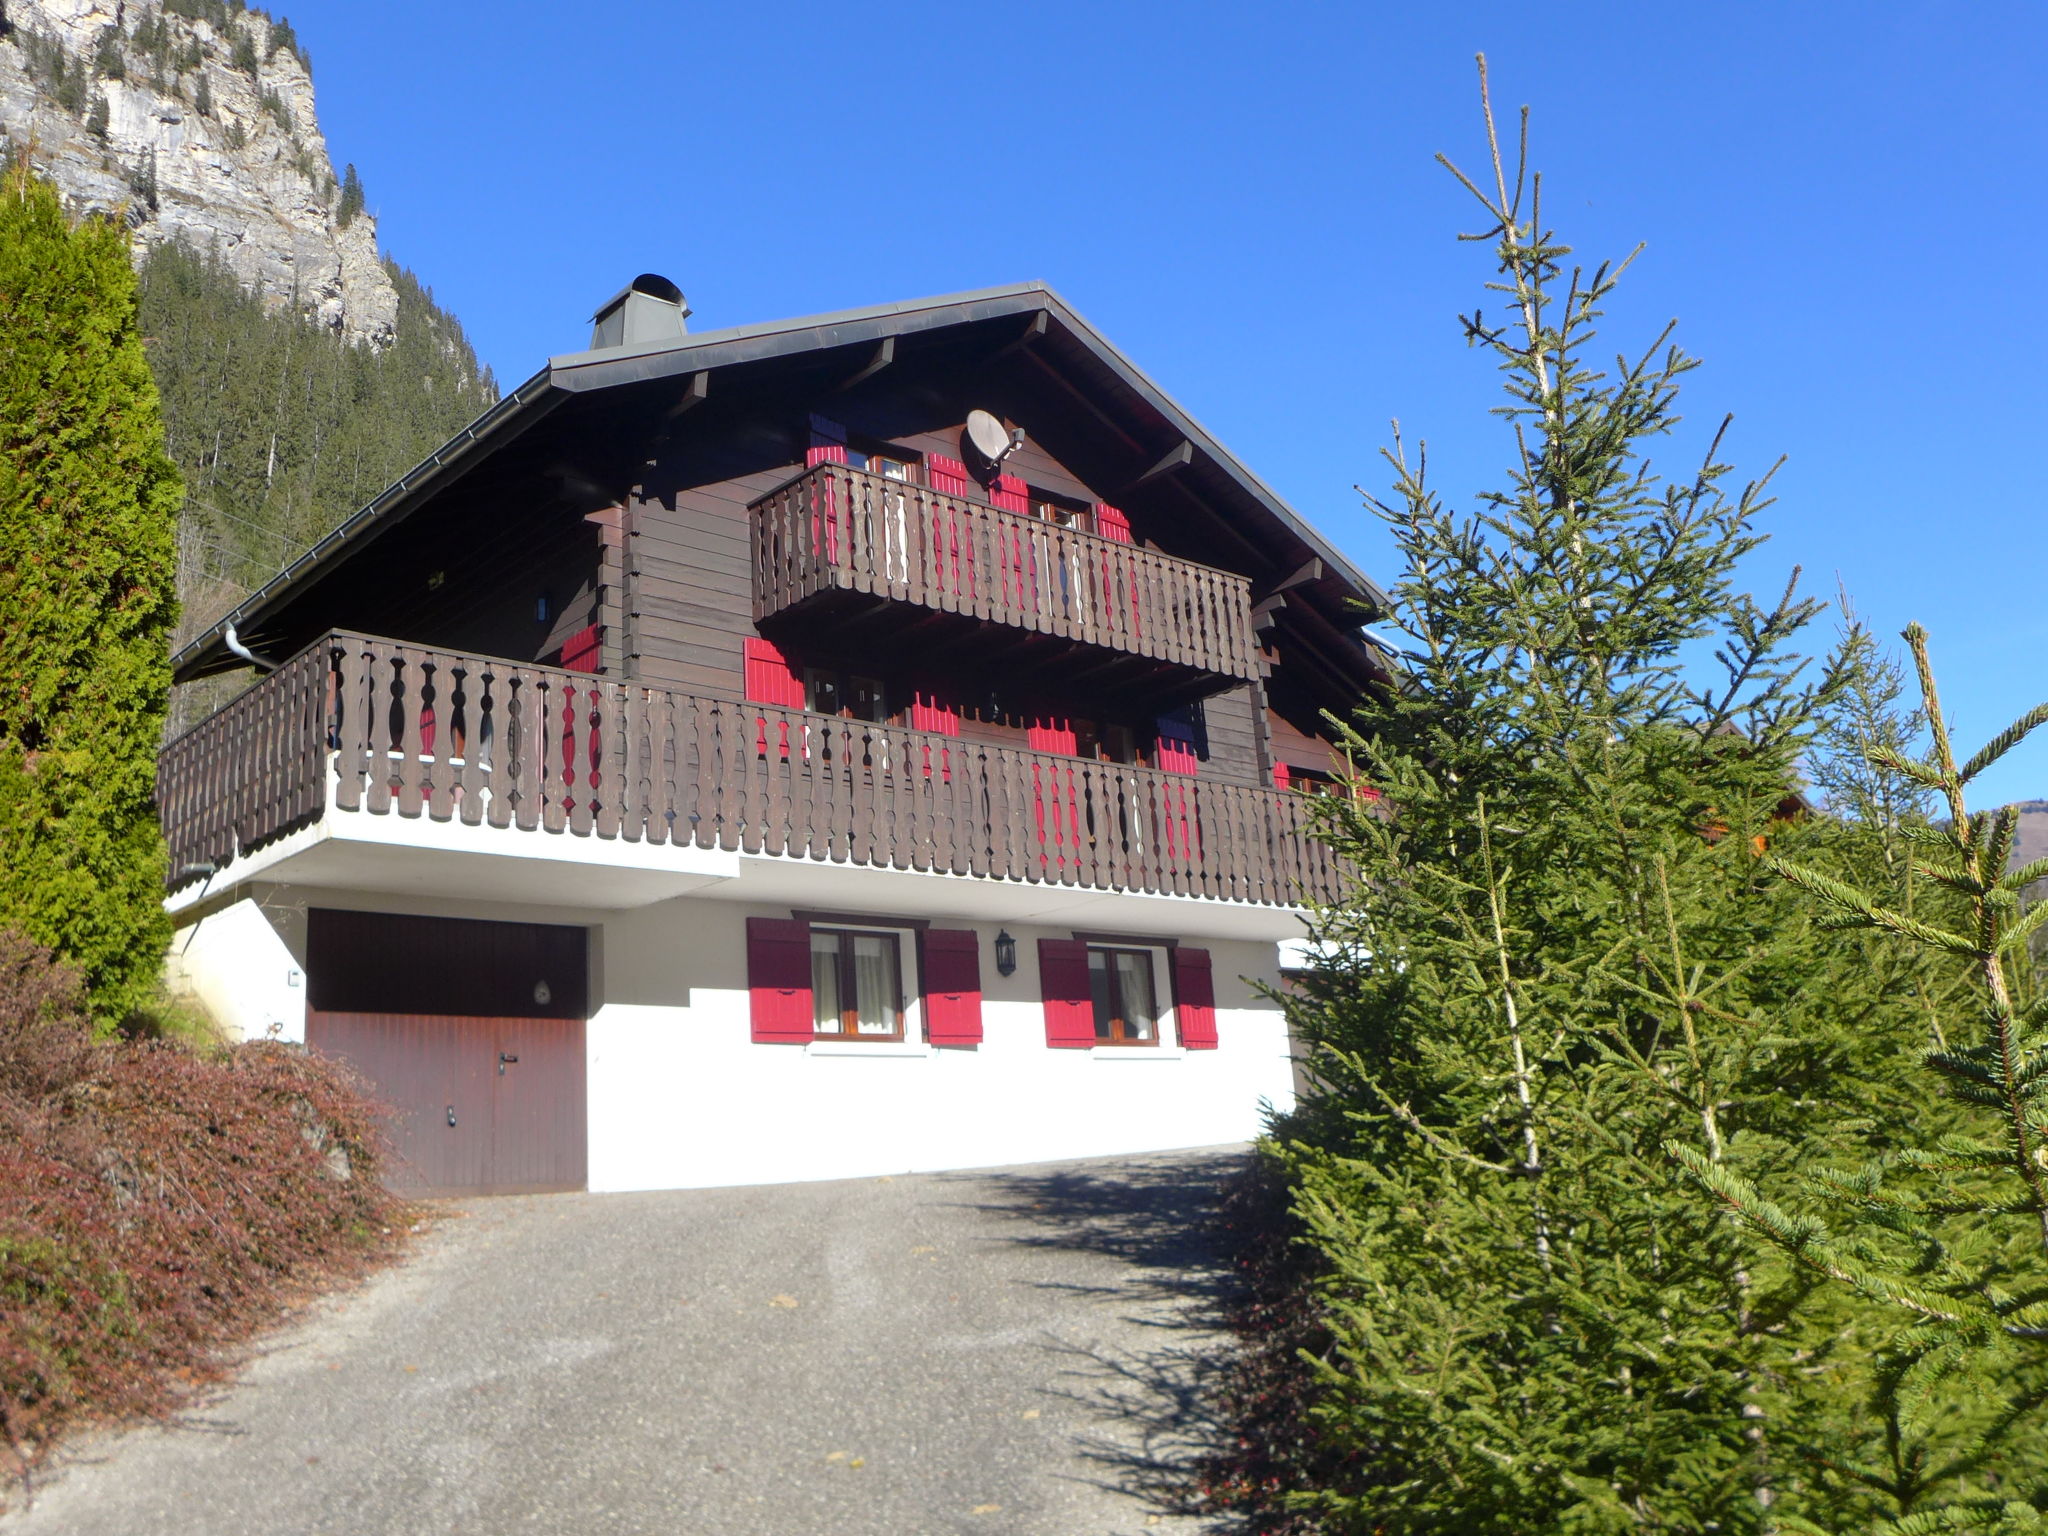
720	765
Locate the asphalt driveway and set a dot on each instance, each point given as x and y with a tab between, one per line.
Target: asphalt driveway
1007	1351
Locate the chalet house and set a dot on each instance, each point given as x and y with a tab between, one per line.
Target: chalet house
863	743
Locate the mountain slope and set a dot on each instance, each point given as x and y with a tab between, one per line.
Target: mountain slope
194	120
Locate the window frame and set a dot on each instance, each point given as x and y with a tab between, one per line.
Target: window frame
1117	1020
849	1031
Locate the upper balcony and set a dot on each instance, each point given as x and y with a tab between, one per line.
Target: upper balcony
890	563
375	764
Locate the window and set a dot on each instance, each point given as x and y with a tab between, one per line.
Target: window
856	985
830	692
1126	1006
1058	509
1105	742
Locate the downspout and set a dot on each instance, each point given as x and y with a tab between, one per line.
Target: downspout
233	642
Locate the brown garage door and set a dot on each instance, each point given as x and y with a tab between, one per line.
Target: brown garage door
472	1032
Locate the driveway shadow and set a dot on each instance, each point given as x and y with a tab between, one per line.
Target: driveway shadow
1159	1217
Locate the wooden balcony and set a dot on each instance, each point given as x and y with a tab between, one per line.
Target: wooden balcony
360	726
898	563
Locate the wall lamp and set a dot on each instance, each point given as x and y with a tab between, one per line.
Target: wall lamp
1006	954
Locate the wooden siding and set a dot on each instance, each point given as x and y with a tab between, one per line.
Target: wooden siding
412	731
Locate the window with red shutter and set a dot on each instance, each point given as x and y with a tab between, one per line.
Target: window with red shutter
1282	776
779	980
1111	523
1010	493
1063	982
932	709
770	677
1194	999
824	453
948	476
1052	733
1177	748
580	652
952	986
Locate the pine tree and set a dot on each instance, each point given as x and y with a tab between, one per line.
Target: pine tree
202	96
351	197
1562	952
88	502
1946	1235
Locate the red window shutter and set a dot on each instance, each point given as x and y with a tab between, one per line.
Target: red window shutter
1010	494
1282	776
931	709
824	453
779	980
1052	733
770	677
1069	1006
952	986
1194	999
1175	748
580	652
1111	523
948	476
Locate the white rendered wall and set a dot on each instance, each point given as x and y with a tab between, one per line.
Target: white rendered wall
242	972
680	1096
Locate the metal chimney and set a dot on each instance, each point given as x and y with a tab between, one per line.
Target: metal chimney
647	312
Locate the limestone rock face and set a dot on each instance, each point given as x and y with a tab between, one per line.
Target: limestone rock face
157	118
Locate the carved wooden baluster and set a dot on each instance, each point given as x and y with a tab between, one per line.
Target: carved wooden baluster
345	722
733	764
378	738
530	749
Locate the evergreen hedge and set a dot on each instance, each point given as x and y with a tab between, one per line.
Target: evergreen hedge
88	509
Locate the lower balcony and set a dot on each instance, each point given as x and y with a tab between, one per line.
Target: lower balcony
542	764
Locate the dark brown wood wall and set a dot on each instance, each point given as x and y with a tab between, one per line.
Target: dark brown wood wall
485	599
688	602
689	584
1233	737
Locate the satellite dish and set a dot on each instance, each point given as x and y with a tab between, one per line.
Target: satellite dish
987	436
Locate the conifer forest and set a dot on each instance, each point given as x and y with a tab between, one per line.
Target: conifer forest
282	428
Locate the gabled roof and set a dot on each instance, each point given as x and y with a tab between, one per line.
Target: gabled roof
1045	316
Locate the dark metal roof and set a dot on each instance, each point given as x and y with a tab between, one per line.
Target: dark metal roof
576	373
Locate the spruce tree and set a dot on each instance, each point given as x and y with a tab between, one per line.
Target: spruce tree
1562	953
88	506
351	197
1946	1235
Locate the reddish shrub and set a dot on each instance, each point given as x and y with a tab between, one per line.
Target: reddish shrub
158	1205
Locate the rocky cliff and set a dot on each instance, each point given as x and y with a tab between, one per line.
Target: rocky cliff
194	119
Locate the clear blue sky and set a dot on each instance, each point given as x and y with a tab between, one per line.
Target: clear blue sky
1839	203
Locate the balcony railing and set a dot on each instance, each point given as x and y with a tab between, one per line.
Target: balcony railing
838	529
378	727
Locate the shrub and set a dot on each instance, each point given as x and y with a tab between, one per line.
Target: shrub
158	1204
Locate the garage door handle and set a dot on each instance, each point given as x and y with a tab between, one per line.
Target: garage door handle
503	1057
451	1116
